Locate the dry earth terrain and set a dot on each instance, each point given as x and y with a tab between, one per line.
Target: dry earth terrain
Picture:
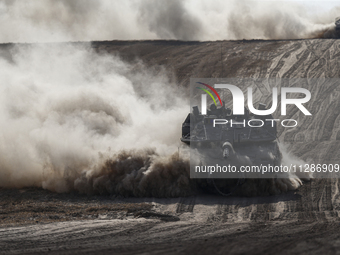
303	222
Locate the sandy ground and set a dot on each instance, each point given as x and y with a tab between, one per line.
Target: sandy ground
34	221
37	221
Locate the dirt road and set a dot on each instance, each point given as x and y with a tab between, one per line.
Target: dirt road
304	222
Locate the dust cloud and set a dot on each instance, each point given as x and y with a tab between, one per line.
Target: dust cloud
74	119
70	114
89	20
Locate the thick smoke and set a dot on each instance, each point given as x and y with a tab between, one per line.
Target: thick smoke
171	20
68	113
88	20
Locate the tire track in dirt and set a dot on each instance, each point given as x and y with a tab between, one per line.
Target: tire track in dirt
186	205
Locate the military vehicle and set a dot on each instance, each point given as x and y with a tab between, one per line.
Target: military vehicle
337	24
248	136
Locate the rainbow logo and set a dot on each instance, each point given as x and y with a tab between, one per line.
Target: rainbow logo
208	92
